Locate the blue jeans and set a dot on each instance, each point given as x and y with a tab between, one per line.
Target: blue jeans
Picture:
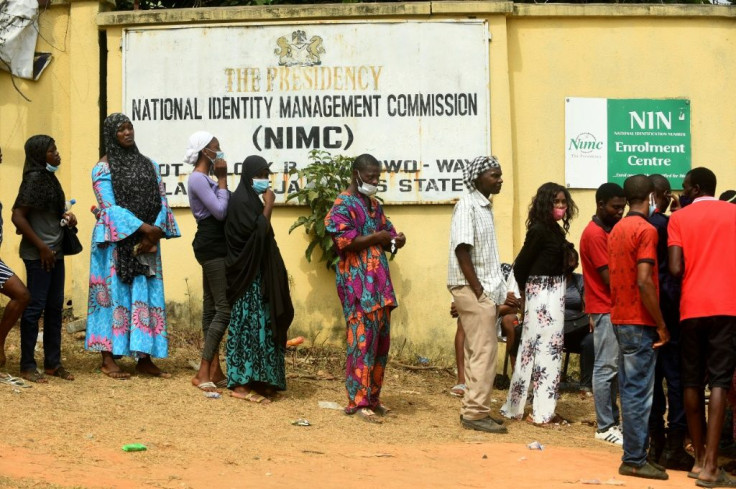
636	364
605	368
47	298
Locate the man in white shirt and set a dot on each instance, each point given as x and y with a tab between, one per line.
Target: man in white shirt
475	280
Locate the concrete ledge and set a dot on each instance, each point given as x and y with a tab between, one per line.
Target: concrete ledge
473	7
254	13
623	10
399	10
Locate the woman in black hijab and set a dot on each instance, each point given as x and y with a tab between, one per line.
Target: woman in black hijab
258	289
37	214
126	307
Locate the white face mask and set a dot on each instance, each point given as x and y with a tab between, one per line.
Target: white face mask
366	188
652	204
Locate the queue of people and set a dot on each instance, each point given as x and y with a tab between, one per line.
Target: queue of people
659	309
653	292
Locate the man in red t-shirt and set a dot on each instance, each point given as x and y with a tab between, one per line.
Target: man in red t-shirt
637	321
610	204
700	247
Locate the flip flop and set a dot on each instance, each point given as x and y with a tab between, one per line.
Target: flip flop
116	374
459	390
221	383
556	420
723	480
382	410
251	397
368	416
207	387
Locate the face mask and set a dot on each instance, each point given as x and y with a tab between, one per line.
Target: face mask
51	168
558	213
219	155
366	188
685	200
260	185
652	204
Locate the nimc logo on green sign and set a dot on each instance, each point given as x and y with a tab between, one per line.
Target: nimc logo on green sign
648	136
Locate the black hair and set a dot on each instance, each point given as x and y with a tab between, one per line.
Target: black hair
540	210
637	188
365	160
608	191
660	183
728	195
703	178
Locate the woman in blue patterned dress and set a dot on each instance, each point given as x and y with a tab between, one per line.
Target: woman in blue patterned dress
126	311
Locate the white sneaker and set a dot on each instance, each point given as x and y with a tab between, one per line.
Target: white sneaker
612	435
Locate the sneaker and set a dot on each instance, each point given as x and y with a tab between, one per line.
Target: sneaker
646	471
485	424
611	435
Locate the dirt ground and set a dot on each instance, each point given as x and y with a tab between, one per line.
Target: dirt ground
69	434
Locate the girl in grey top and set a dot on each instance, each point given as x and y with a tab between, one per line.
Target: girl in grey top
37	214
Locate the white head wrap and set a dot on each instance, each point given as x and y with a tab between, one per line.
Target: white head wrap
197	143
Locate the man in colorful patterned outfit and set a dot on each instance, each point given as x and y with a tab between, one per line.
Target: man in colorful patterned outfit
362	234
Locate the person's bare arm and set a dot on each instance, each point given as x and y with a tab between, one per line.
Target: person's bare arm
674	254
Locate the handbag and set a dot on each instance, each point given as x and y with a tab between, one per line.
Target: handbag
579	321
573	324
70	244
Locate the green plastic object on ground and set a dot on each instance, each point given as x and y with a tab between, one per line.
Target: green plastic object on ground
135	447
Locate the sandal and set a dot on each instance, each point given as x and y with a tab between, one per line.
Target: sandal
251	397
382	410
62	373
368	416
207	387
556	420
34	376
459	390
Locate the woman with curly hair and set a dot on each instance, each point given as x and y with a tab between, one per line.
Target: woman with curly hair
540	272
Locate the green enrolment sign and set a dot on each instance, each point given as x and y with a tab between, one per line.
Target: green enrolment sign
608	140
648	136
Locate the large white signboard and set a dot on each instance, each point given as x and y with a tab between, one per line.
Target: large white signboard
413	94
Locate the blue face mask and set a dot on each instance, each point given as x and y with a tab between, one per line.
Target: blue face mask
219	155
51	168
685	200
261	184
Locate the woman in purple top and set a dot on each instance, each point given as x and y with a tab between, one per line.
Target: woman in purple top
208	201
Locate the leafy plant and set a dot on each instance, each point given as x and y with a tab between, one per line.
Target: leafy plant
324	178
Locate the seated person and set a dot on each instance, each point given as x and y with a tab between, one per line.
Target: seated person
578	336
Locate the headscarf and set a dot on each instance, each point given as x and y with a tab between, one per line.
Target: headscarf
135	188
472	171
252	248
197	142
40	189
